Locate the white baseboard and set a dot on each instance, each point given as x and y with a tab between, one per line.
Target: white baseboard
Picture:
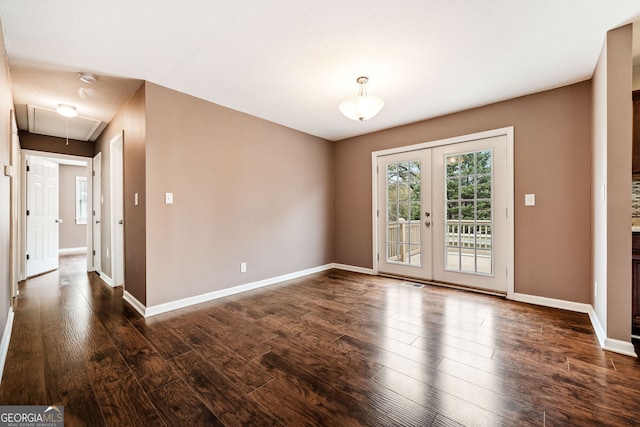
609	344
353	268
553	303
133	301
186	302
106	279
72	251
4	344
619	346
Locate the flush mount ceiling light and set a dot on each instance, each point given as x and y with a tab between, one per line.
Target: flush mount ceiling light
67	110
362	106
87	78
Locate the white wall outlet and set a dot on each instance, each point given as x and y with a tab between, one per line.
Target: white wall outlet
243	267
168	198
529	199
135	199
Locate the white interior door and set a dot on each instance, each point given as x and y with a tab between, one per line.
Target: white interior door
97	212
442	213
42	216
117	211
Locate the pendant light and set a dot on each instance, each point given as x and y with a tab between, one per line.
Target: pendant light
362	106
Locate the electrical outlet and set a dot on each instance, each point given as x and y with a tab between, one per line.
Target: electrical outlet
243	267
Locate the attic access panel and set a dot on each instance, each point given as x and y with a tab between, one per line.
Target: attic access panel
48	122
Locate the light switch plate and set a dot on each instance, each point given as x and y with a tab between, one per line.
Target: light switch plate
168	198
529	199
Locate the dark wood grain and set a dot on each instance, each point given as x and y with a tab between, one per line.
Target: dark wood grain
180	406
333	348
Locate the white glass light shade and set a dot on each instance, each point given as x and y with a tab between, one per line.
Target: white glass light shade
361	107
67	110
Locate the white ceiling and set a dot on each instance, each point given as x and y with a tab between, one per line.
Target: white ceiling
293	61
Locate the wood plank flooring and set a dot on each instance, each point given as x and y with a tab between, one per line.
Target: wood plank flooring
330	349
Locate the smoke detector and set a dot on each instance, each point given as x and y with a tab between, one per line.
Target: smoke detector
87	78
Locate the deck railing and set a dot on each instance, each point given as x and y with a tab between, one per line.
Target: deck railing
403	237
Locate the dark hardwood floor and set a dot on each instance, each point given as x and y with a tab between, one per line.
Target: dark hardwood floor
330	349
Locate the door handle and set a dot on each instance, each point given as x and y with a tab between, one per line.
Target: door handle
97	221
58	221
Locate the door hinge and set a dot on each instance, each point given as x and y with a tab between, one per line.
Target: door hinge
28	168
378	257
93	173
27	257
378	213
94	253
27	212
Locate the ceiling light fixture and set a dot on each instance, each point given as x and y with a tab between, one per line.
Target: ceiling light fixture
88	78
362	106
67	110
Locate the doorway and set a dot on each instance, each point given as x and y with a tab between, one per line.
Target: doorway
443	211
43	216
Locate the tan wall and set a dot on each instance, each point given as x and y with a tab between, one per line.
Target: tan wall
131	120
72	235
52	144
552	160
619	143
245	190
6	105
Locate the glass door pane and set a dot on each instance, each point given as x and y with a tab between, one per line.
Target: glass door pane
468	227
403	208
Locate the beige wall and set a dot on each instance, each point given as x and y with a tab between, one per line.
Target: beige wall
52	144
6	105
72	235
552	160
245	190
130	120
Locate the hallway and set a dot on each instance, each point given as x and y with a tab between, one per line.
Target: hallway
333	348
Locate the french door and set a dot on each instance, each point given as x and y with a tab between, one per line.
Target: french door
442	213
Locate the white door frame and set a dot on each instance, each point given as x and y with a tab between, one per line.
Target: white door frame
24	154
509	133
94	238
116	156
